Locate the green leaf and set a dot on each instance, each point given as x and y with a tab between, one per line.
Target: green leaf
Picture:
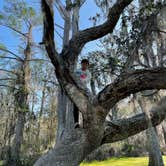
32	11
1	16
12	20
2	46
24	11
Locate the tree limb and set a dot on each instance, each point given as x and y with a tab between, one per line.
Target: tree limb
79	39
133	125
8	71
5	79
44	60
14	29
10	52
7	57
77	42
61	9
48	34
59	34
132	82
64	77
12	87
59	26
158	30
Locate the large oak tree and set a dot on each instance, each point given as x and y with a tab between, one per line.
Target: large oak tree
77	143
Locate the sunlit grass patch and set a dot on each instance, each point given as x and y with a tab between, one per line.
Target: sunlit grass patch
126	161
1	163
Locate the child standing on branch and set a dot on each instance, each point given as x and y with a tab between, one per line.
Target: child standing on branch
83	76
83	73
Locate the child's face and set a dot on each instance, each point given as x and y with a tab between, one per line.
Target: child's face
84	66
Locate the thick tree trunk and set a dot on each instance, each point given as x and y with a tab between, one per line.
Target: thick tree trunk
75	145
69	152
65	115
80	142
65	105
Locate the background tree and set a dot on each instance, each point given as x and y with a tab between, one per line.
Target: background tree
19	17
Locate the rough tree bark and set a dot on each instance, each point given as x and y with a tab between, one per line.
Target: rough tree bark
65	105
77	143
83	142
164	130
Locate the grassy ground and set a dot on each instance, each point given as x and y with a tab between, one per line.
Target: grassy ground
126	161
1	163
131	161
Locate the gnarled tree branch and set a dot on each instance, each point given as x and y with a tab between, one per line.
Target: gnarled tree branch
64	77
71	51
133	125
132	82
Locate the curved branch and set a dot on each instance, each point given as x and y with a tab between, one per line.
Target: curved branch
48	34
7	57
66	80
132	82
76	44
133	125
